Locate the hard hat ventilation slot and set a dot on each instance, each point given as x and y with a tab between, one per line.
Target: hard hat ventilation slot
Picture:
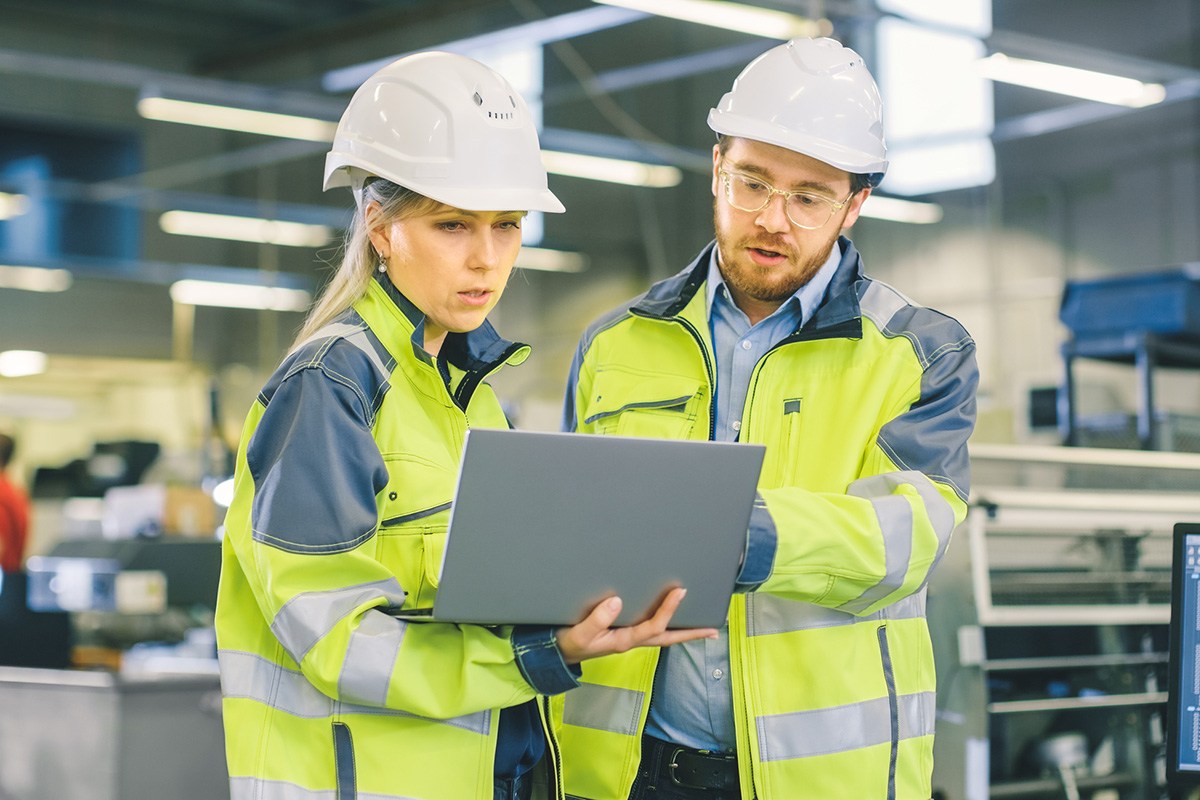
478	100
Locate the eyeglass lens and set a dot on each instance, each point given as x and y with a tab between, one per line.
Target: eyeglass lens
804	210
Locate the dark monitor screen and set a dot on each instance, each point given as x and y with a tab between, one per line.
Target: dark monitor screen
1183	693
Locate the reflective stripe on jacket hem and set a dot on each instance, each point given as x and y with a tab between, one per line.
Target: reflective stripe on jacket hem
259	789
824	731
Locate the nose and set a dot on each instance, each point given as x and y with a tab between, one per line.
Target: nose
773	216
486	253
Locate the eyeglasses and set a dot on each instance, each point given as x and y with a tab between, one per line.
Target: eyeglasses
804	209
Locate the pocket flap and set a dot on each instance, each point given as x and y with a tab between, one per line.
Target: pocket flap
614	392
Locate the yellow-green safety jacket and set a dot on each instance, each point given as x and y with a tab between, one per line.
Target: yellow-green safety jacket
344	479
865	412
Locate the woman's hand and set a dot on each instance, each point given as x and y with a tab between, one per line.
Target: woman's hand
596	637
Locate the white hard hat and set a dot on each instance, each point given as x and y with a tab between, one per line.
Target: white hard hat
813	96
447	127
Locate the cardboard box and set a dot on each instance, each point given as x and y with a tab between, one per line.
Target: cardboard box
158	509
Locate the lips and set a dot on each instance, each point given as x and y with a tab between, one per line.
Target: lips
476	297
765	257
766	252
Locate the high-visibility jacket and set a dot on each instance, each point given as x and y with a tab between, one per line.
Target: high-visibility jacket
344	479
865	412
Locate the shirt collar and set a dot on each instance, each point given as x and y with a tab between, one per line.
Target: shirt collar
808	297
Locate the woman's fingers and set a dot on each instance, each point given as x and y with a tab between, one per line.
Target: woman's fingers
595	636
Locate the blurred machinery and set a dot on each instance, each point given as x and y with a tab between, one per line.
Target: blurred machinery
108	670
1049	615
1148	321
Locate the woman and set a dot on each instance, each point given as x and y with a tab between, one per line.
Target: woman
347	466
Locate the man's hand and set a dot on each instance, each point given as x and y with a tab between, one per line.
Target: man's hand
596	637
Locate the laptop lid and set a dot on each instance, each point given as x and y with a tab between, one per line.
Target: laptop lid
1183	660
545	525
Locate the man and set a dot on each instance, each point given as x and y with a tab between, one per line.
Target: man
822	684
14	513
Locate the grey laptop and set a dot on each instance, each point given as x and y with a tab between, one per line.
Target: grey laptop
545	525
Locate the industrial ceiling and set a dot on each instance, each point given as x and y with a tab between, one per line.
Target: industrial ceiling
615	82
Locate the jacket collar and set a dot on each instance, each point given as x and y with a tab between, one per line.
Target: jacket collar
667	298
479	350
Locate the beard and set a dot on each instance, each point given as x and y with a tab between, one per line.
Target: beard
768	284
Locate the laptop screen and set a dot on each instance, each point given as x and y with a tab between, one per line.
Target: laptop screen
1183	694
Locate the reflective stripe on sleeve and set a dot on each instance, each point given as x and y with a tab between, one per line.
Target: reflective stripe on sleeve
308	617
370	659
895	516
825	731
251	677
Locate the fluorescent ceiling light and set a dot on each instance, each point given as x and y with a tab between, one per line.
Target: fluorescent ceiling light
267	123
731	16
19	363
971	16
541	258
613	170
529	35
34	279
239	295
897	210
939	166
245	229
12	205
581	166
222	493
1089	85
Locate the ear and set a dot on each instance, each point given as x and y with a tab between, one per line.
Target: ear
855	207
716	166
377	231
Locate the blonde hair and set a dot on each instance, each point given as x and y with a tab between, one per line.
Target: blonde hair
359	259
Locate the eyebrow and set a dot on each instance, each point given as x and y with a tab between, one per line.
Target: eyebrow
760	172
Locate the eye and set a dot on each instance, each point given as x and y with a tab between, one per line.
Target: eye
807	200
510	224
451	225
753	185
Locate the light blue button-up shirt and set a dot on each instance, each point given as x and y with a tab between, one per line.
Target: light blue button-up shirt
692	704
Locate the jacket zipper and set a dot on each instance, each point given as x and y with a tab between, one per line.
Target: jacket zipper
472	379
708	367
738	668
555	772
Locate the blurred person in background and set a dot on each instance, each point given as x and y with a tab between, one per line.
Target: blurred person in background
14	512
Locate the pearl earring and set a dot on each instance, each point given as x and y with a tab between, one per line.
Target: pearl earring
383	266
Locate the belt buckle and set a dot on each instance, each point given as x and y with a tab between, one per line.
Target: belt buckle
674	764
671	771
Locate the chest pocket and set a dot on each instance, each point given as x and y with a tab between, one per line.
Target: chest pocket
633	404
415	511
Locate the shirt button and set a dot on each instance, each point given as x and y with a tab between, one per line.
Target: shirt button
718	674
736	425
746	344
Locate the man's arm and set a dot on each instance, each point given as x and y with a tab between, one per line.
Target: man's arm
879	541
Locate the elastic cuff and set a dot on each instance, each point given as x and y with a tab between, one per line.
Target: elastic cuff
761	542
541	662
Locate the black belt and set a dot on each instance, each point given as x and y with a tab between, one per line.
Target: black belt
688	768
520	788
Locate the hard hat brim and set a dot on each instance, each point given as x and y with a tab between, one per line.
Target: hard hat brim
468	198
832	153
